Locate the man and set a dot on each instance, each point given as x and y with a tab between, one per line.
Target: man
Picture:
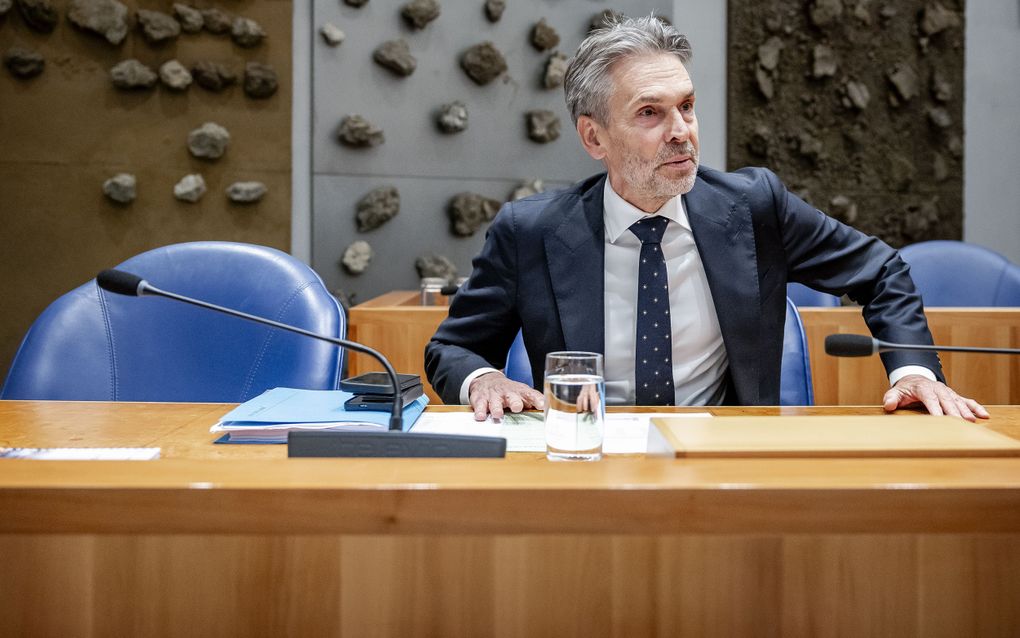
584	268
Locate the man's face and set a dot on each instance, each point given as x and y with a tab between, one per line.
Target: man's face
650	143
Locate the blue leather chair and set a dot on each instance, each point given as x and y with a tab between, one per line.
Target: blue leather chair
795	373
803	296
955	273
795	376
93	345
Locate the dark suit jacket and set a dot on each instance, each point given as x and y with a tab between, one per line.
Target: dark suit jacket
542	269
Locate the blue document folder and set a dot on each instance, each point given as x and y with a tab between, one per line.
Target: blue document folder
268	417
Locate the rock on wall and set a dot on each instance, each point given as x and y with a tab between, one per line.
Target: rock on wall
857	105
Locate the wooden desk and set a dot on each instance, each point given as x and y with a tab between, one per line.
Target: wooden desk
236	540
395	324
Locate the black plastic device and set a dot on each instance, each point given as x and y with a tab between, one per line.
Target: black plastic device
378	383
393	445
382	402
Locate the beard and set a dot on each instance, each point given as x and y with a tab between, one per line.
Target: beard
648	182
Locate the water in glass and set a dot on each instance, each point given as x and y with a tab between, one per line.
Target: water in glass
574	416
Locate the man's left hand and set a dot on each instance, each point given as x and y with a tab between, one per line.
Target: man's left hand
936	397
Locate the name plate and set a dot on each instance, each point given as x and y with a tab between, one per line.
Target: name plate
825	436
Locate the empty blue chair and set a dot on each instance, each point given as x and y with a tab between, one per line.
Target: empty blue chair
94	345
795	373
955	273
795	376
803	296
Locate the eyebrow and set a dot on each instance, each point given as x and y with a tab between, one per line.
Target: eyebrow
656	98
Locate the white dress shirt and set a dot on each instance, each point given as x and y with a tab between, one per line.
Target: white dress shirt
699	355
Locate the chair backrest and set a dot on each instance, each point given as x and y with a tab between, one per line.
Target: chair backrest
518	367
795	377
795	373
803	296
955	273
93	345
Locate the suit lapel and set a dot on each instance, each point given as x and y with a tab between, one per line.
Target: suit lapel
725	239
575	253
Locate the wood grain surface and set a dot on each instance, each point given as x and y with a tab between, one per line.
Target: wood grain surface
237	540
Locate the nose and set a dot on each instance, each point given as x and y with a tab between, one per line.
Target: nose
679	129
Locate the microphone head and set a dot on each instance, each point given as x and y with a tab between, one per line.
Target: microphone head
850	346
121	283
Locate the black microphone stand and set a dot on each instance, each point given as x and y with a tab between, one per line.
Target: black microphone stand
319	443
396	417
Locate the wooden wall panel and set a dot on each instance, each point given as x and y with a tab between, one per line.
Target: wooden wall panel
66	131
511	586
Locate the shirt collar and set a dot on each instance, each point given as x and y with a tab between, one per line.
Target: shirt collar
619	214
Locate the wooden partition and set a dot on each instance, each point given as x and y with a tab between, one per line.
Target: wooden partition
991	379
398	326
238	540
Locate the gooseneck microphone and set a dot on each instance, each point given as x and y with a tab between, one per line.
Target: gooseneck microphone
125	283
864	346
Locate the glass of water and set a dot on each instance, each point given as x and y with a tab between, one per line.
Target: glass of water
575	406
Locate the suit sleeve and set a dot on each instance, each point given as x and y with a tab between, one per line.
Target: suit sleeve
483	319
830	256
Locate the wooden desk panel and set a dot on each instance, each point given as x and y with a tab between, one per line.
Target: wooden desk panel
224	540
990	379
394	324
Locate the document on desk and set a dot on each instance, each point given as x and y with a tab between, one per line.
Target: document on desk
268	417
81	453
626	432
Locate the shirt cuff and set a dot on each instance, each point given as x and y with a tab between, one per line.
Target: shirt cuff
903	371
464	387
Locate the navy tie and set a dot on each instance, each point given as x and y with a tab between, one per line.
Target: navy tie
653	364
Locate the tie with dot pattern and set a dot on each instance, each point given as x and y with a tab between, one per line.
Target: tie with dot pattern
653	369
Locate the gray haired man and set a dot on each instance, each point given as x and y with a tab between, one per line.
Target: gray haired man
584	268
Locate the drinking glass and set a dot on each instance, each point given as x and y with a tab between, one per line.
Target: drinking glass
575	406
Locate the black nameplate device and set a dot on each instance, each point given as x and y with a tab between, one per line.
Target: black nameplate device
382	402
377	383
393	445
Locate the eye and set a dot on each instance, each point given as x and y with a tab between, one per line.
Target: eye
687	107
646	112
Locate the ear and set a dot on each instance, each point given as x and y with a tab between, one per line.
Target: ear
592	136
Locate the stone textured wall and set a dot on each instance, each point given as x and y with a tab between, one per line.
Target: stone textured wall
857	105
429	168
67	130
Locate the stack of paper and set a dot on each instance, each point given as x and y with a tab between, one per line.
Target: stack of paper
270	416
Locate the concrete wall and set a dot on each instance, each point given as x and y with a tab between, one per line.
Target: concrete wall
991	196
991	136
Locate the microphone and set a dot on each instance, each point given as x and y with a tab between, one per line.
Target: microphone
863	346
125	283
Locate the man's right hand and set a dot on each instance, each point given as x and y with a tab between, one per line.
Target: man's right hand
492	393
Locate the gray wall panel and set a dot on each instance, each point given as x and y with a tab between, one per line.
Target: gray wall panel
428	167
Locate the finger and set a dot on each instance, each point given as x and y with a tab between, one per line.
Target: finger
496	406
536	399
947	401
899	397
975	407
514	402
891	400
931	401
964	410
481	405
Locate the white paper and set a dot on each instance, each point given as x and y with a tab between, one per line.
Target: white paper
81	453
626	432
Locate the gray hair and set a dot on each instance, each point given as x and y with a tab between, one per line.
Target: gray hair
587	83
